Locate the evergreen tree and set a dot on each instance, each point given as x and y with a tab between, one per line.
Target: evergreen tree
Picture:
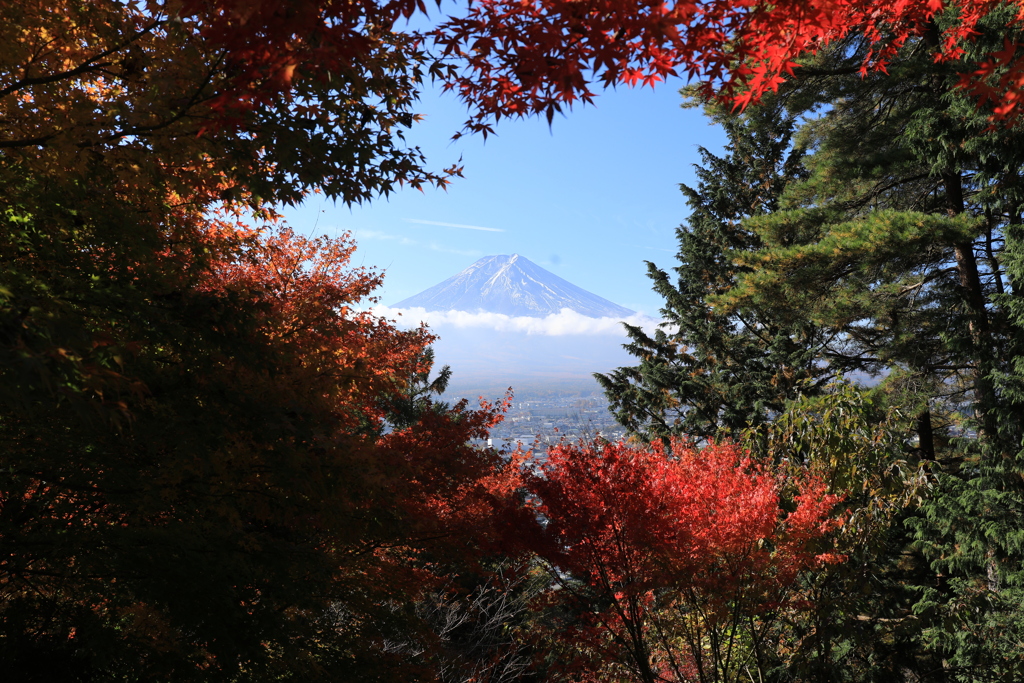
895	252
895	243
706	372
883	243
413	397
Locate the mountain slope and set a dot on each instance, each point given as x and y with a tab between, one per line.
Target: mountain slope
515	286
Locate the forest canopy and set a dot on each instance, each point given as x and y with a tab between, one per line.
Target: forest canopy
215	466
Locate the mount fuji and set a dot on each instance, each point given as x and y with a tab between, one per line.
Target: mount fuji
506	321
514	286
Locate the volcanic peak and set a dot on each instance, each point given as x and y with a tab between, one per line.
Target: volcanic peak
515	286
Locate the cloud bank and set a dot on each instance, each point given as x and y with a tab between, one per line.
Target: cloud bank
567	322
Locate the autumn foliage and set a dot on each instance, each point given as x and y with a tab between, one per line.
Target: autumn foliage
199	475
315	95
522	58
668	553
517	58
198	479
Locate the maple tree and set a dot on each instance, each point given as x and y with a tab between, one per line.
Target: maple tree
195	483
253	102
670	556
522	58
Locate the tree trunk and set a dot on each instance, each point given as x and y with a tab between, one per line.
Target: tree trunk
981	338
925	436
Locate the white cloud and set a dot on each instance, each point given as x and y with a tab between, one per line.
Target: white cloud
567	322
453	225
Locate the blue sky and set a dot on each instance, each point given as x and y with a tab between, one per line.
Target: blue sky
590	199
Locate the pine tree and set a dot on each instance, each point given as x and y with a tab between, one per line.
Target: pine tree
894	244
878	246
895	251
707	372
405	406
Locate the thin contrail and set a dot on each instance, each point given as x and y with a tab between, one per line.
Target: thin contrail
454	225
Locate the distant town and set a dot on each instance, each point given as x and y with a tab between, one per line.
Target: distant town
547	419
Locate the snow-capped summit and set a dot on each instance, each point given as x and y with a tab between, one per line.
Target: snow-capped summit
515	286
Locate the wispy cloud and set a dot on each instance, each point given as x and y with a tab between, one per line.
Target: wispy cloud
566	322
472	253
362	234
453	225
